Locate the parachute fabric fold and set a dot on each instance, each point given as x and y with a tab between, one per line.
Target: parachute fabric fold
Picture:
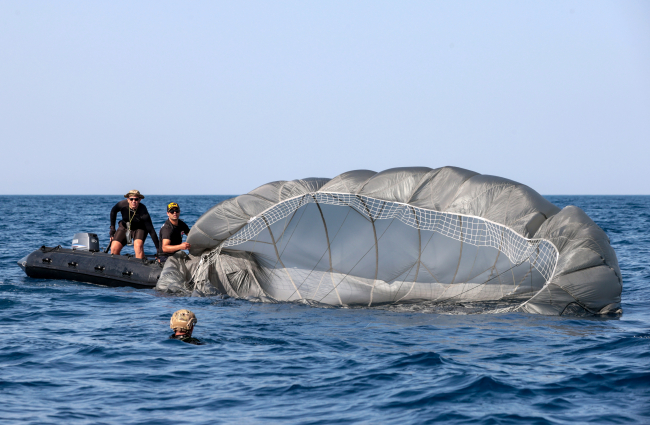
587	272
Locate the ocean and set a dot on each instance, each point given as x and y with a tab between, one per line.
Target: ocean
79	353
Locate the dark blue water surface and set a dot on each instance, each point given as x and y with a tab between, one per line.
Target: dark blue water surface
79	353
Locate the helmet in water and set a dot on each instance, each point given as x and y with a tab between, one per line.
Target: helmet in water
182	320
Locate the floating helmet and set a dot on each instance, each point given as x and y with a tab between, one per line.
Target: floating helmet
183	320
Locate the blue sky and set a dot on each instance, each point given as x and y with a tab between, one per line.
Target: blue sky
220	97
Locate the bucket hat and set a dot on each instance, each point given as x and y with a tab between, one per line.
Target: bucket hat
134	193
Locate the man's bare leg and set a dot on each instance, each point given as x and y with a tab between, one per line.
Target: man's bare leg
138	247
116	247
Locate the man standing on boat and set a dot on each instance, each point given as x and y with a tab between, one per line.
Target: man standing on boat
133	227
172	231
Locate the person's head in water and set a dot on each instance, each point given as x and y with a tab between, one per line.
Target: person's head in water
182	322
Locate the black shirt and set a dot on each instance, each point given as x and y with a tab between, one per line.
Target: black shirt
141	220
186	338
173	233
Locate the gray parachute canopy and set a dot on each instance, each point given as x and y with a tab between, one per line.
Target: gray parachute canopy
403	235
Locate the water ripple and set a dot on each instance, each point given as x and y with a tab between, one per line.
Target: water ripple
78	353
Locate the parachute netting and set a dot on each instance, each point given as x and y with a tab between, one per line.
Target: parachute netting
346	249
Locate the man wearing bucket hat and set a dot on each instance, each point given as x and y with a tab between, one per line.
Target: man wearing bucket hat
172	231
182	323
133	227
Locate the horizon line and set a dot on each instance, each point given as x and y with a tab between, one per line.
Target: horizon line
234	195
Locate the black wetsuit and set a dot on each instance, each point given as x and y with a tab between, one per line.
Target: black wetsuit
173	233
140	224
186	338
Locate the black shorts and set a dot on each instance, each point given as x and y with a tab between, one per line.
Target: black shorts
120	234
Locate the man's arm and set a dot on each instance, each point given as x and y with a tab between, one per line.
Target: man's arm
152	233
170	249
114	212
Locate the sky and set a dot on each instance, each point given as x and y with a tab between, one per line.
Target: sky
209	97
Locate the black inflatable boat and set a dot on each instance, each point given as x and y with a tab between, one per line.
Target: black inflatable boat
86	263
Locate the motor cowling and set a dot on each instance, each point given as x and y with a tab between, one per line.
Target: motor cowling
85	242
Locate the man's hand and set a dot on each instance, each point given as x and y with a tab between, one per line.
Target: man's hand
184	245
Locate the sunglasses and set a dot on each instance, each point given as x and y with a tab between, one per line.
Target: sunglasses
134	199
174	211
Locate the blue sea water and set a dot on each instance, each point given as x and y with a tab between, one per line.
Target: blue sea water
79	353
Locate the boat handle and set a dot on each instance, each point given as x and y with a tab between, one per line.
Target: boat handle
127	273
47	260
72	264
100	268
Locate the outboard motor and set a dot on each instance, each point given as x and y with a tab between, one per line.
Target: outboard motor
85	242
